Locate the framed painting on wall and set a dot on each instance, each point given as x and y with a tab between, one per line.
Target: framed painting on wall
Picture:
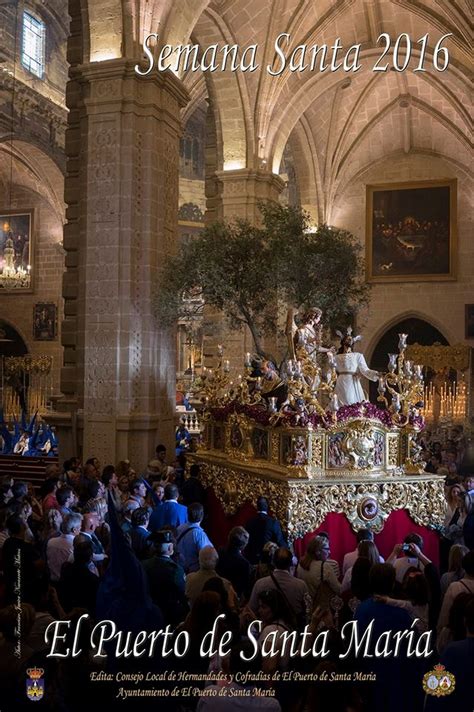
45	320
16	251
411	232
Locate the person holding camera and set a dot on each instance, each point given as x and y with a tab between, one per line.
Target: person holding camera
414	561
412	556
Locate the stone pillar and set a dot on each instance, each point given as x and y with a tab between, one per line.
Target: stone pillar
122	193
241	190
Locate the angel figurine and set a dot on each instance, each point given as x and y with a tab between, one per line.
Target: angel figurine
350	366
305	341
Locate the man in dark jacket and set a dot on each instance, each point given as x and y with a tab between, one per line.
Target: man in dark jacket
232	563
78	585
261	529
166	579
193	489
139	533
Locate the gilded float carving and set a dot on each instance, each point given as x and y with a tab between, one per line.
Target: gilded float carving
359	460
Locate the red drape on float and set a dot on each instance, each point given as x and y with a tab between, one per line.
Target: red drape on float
397	526
341	536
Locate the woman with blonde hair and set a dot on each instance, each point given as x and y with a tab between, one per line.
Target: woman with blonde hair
311	568
52	523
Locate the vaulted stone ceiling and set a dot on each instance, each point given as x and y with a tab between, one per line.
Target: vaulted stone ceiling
338	122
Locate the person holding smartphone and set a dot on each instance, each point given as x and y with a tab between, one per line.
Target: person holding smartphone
412	556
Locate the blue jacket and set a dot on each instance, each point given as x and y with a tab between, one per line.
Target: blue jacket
168	514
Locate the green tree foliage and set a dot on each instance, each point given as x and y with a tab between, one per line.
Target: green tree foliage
244	270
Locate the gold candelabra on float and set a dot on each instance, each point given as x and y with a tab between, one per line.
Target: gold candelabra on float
404	382
216	381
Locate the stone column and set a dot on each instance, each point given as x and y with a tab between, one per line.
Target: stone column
241	190
118	377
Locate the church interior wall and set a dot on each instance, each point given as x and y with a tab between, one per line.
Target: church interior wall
48	267
440	302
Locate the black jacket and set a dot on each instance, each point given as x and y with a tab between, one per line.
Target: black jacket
262	528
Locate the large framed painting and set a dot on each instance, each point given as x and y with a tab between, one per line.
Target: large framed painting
45	321
16	251
411	232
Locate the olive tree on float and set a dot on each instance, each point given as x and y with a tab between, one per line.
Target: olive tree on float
244	271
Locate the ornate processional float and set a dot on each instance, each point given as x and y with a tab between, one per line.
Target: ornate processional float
307	437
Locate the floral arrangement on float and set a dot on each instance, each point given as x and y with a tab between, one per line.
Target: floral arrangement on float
328	420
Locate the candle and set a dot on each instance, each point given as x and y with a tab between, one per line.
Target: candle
220	349
226	366
248	360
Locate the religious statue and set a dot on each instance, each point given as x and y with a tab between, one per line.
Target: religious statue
305	343
272	386
307	337
350	366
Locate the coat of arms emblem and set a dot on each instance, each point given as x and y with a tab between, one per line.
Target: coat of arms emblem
35	684
439	682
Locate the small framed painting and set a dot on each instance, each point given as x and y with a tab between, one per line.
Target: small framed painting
45	322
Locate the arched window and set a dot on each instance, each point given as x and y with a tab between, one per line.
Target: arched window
33	44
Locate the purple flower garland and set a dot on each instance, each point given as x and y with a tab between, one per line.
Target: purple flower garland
346	412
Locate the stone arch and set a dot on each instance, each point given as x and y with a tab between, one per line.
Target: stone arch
230	95
307	169
417	318
30	138
12	340
387	157
35	170
178	19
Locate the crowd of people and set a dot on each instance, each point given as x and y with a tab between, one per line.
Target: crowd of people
136	550
443	452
